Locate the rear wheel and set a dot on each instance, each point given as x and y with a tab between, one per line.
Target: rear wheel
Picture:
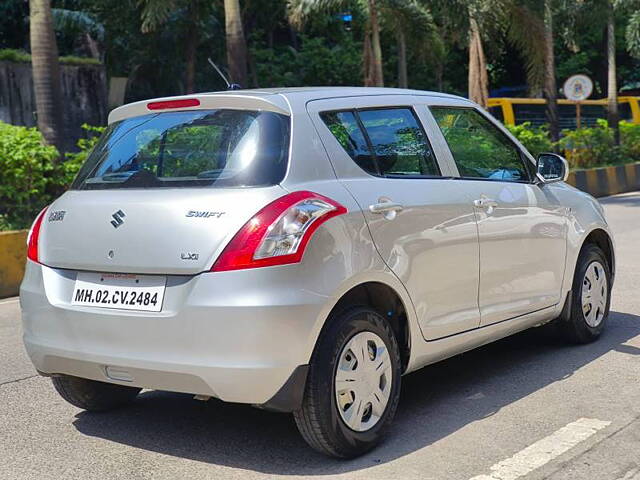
92	395
353	385
591	297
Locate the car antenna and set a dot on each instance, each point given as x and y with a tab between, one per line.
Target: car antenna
230	86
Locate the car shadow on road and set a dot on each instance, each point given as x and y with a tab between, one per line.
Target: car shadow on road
436	401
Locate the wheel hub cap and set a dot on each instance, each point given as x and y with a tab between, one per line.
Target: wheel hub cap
363	381
594	294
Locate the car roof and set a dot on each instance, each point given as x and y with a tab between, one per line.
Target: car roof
276	99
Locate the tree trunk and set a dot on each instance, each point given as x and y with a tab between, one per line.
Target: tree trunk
378	79
46	73
191	47
612	84
478	78
439	71
367	59
236	45
550	89
402	60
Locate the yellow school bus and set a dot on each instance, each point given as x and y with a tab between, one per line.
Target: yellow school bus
512	111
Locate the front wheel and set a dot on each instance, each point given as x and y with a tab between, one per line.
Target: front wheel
353	386
591	297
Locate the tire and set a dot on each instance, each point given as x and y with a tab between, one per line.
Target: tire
319	420
93	396
580	325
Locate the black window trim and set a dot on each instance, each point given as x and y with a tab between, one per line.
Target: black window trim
365	134
523	157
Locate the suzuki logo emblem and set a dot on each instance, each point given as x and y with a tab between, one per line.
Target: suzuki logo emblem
117	219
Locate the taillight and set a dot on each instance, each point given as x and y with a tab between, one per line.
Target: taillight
169	104
279	233
34	234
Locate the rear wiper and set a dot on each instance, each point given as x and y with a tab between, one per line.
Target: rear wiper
215	173
142	178
116	176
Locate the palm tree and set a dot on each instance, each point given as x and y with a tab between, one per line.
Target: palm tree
401	16
478	77
612	83
236	44
477	18
156	12
603	13
299	10
413	24
550	88
46	73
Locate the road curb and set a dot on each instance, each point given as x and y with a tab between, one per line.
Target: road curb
605	181
13	255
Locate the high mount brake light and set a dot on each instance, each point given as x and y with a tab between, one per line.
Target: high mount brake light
279	233
169	104
34	236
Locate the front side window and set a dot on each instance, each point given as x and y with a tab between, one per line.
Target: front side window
385	142
221	148
479	149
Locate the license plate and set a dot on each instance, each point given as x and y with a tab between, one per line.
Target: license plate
119	290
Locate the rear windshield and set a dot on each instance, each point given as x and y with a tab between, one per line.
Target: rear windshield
220	148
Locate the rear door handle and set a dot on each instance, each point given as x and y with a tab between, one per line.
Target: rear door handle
384	207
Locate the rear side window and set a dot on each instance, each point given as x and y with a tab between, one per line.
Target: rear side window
346	129
479	149
385	142
220	148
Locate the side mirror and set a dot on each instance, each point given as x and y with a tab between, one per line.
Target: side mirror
552	168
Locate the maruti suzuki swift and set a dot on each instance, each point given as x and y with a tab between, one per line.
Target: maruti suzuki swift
300	250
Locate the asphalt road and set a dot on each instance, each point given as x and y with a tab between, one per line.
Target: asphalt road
513	409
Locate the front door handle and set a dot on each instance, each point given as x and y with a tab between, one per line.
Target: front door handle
487	203
386	207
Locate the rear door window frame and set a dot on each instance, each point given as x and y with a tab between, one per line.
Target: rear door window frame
363	130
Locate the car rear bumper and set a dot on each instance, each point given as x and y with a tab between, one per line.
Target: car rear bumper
237	337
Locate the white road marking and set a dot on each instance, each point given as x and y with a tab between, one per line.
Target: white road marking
545	450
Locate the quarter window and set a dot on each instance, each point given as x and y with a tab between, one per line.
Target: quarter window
387	142
346	129
479	149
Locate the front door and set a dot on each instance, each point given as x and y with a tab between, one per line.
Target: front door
420	220
521	225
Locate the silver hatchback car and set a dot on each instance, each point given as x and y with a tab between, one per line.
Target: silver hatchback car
301	249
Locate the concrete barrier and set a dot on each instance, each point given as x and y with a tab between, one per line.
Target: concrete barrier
13	255
604	181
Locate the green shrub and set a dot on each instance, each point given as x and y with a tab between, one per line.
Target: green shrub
20	56
66	171
12	55
590	147
535	139
25	163
31	177
630	141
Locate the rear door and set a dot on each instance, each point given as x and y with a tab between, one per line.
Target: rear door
422	223
521	224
